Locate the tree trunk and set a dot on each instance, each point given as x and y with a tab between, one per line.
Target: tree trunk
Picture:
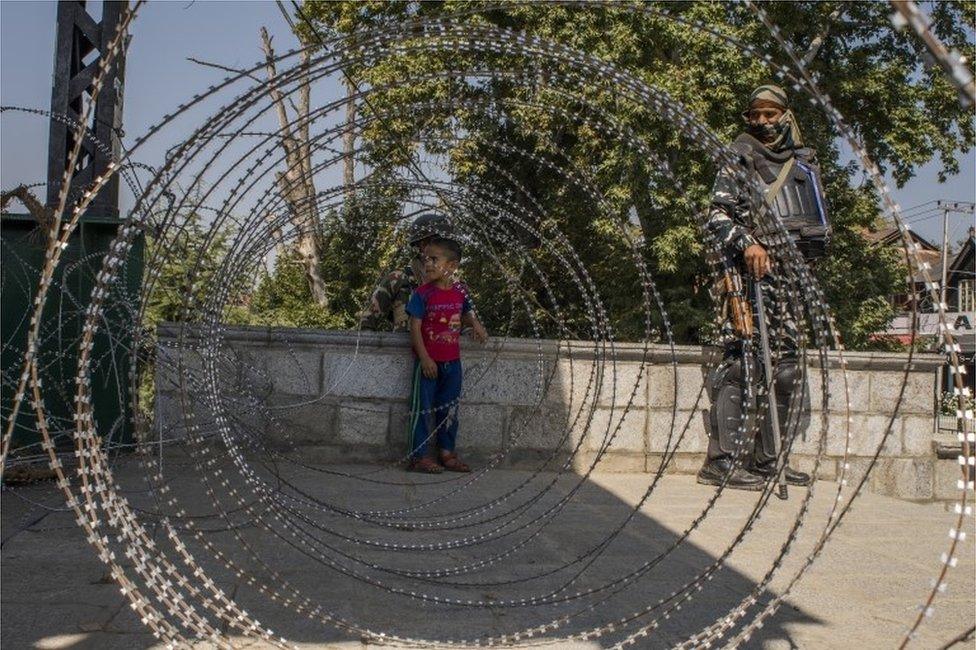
303	217
295	185
41	213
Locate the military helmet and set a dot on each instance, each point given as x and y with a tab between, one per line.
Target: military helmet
430	224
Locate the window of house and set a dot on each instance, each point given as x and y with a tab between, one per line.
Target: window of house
967	299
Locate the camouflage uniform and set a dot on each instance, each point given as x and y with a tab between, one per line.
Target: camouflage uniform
389	300
732	225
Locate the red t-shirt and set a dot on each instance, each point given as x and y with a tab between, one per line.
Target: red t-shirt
440	311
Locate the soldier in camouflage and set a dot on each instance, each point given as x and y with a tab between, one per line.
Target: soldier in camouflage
770	152
388	302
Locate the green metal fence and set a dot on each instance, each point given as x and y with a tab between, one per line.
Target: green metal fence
22	256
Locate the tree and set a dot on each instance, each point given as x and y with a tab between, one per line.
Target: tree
296	184
184	265
42	214
188	259
906	115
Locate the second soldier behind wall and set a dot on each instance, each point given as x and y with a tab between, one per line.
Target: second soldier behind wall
388	302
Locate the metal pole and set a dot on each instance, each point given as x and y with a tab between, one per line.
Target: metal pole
942	290
773	408
945	262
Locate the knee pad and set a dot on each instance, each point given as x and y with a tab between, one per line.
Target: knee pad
726	387
787	371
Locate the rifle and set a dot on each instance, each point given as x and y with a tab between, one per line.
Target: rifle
773	410
738	305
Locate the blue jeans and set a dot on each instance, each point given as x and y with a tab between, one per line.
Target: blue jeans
435	400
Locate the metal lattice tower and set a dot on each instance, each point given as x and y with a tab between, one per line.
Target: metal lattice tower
80	44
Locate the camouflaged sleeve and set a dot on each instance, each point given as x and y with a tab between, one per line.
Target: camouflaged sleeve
372	322
385	292
728	216
401	320
379	312
401	292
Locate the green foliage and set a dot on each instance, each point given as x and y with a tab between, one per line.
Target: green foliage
355	245
359	245
906	115
189	256
950	403
283	298
857	278
184	261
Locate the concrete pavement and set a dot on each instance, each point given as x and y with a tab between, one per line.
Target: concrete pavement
862	592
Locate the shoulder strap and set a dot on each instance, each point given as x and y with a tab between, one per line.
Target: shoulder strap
780	179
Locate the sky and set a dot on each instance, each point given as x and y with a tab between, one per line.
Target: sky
158	78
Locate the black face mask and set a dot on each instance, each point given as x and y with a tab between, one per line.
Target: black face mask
764	132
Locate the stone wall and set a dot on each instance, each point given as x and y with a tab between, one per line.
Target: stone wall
344	395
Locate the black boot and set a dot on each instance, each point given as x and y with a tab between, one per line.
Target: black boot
792	476
714	471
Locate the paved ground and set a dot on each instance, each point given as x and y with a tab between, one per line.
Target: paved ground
861	593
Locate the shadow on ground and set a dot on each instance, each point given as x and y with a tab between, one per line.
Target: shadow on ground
55	591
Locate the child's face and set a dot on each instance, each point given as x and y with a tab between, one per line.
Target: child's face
437	264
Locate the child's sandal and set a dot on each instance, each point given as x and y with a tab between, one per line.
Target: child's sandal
425	465
452	463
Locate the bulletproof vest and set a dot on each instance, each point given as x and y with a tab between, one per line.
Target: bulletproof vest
799	204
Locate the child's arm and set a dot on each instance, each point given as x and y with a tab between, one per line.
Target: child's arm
427	365
478	331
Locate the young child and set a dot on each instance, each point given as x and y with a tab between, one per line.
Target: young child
437	311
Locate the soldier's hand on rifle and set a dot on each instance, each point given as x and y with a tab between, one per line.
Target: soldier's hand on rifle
757	260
